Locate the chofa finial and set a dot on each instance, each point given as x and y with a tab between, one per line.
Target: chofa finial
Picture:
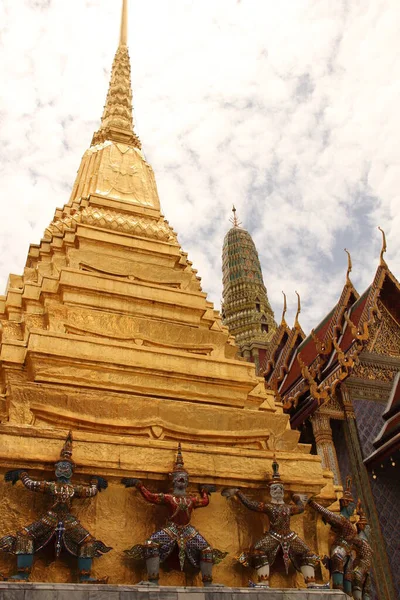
349	266
296	321
284	308
383	250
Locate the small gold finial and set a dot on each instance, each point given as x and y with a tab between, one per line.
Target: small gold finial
234	220
123	40
382	261
284	308
296	321
349	267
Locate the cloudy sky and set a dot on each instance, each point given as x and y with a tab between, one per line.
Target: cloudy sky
289	110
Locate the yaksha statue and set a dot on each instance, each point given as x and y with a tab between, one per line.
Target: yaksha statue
362	562
58	523
262	555
341	560
178	533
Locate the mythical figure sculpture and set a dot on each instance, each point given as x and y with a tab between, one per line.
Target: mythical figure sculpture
341	559
363	560
58	523
178	532
262	555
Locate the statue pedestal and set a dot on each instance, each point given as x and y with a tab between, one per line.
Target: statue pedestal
69	591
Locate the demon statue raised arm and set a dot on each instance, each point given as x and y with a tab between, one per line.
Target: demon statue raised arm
58	523
262	555
341	560
178	532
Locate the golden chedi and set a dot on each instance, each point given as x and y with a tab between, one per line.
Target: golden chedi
108	333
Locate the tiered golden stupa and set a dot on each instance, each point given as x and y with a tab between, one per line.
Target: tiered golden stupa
109	334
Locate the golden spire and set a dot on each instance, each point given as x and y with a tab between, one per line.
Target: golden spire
234	220
283	321
349	267
296	321
117	121
383	250
123	39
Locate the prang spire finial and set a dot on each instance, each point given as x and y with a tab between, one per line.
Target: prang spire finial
234	220
382	261
123	39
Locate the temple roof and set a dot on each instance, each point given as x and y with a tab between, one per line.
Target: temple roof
388	439
318	344
278	342
283	348
305	374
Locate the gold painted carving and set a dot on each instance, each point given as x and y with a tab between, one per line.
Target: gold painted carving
116	221
205	350
374	372
385	334
177	278
117	121
117	171
123	174
146	428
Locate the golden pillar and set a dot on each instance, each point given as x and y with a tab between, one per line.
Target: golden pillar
321	424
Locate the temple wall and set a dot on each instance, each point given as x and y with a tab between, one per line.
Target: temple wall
386	486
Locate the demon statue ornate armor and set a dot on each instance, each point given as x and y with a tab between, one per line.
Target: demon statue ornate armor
178	533
262	555
58	523
363	560
341	557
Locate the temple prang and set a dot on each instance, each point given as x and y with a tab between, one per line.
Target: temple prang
246	310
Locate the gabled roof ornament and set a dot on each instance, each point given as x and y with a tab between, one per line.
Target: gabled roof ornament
349	267
318	392
283	321
382	261
296	321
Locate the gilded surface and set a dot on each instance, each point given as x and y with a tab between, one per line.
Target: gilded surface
116	170
385	334
374	372
116	221
117	121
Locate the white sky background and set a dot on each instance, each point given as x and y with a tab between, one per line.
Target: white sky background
289	110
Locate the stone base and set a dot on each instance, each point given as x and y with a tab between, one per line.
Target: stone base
70	591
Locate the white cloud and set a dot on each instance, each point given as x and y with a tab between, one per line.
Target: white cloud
288	110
